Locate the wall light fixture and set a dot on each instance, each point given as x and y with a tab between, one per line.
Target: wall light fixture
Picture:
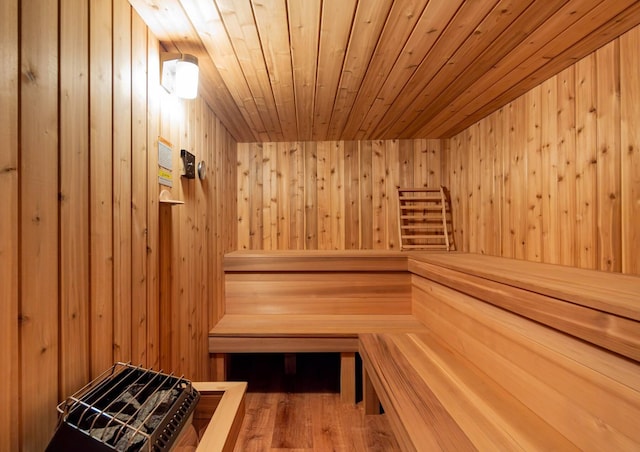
179	74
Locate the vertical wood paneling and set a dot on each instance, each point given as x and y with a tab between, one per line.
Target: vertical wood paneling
534	178
352	196
310	197
493	231
323	190
74	199
200	318
244	212
101	184
270	196
508	233
630	147
608	158
296	190
392	170
80	233
366	194
549	170
336	184
215	310
39	221
153	216
586	246
328	195
568	157
566	165
472	140
256	201
9	416
122	183
379	195
139	186
282	175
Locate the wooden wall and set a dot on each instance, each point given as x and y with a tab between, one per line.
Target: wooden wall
80	268
554	176
328	195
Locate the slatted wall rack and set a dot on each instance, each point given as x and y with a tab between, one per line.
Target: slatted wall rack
422	219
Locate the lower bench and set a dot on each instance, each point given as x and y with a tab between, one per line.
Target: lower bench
303	333
485	378
436	400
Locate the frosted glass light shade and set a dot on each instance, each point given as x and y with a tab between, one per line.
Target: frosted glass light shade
186	79
180	75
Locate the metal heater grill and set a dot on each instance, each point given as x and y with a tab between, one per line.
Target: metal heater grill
127	408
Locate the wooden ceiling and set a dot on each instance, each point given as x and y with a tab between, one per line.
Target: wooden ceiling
298	70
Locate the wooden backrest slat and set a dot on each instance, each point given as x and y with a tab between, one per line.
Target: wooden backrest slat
609	292
320	293
487	413
581	390
315	261
606	329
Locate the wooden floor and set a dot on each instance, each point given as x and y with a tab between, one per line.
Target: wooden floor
303	412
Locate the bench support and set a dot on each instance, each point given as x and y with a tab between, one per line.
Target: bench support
347	371
348	377
370	400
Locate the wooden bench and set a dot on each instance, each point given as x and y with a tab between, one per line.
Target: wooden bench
291	302
516	355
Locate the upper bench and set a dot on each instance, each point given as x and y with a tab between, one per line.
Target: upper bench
599	307
302	301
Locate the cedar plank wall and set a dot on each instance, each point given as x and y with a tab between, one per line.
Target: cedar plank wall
328	195
80	113
554	176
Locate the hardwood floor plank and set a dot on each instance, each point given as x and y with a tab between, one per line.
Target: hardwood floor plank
303	412
292	429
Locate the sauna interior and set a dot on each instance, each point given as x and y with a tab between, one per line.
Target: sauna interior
310	115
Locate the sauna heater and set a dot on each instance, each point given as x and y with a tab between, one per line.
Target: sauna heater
127	408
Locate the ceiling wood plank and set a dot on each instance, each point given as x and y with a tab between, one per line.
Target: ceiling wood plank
483	47
606	21
435	18
459	30
370	17
561	31
270	17
207	21
304	24
401	22
239	22
337	17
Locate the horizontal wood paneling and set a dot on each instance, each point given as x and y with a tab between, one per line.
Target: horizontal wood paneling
333	293
553	176
336	194
80	230
557	377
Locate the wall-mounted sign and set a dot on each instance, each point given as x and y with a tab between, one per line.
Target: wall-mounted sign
165	163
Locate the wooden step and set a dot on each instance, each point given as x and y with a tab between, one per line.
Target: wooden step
439	207
420	198
421	217
425	247
423	236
